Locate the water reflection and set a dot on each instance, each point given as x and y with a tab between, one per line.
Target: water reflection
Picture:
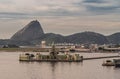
50	70
53	66
11	68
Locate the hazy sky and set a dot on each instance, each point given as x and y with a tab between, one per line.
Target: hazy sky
60	16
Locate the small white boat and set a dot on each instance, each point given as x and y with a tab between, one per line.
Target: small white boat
108	63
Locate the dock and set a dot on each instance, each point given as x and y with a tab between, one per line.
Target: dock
51	60
53	56
92	58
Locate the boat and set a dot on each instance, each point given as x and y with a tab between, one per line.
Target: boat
53	56
72	50
63	50
117	62
108	63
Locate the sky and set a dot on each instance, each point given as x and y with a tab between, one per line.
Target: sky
60	16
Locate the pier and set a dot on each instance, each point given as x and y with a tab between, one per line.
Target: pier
92	58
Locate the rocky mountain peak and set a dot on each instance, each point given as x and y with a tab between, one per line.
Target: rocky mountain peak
31	31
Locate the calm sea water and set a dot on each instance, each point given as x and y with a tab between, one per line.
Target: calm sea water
11	68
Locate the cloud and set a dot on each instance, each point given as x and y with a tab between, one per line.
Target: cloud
21	9
13	15
61	16
102	7
41	7
94	1
60	7
6	1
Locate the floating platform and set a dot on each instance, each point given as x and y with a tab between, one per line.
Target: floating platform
53	56
104	57
50	58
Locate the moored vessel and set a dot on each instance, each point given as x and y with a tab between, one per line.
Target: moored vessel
53	56
108	63
117	62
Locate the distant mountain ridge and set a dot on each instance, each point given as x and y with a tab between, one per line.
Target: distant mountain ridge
33	34
88	38
114	38
78	38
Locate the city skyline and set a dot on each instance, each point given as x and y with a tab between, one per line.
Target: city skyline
62	17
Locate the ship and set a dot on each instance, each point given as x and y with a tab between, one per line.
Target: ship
108	63
53	56
117	62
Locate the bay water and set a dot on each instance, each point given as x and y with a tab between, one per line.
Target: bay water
12	68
